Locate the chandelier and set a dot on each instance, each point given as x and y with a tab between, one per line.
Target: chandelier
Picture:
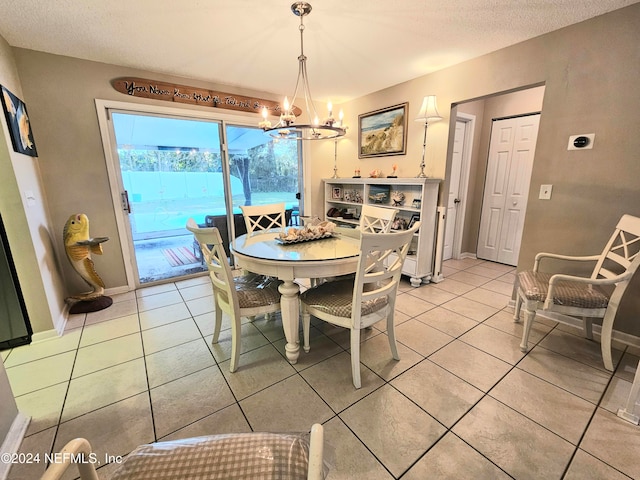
287	128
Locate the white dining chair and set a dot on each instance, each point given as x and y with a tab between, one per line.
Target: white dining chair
265	455
247	295
582	296
357	303
376	219
264	217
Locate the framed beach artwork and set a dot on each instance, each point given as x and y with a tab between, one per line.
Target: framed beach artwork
15	112
383	132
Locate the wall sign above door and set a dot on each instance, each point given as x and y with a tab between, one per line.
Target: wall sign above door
171	92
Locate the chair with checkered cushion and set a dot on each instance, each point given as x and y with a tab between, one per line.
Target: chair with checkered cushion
235	456
596	296
247	295
357	303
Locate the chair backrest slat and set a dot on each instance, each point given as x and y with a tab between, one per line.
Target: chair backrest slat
380	267
264	217
376	219
217	263
621	250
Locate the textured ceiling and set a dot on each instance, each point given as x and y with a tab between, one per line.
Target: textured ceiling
354	47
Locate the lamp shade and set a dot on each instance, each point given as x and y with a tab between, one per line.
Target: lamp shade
429	110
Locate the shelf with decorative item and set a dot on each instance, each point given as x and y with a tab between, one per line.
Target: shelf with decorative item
413	198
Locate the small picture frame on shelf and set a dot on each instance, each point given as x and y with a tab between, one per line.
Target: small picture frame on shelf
417	203
336	193
379	193
414	218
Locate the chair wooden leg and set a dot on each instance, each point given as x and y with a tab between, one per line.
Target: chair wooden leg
218	324
587	325
391	333
529	316
516	314
235	343
605	338
355	357
306	326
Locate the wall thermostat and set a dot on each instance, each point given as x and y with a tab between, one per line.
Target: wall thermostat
581	142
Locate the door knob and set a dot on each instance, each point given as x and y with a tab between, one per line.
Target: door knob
456	200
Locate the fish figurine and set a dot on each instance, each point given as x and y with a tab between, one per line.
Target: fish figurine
79	246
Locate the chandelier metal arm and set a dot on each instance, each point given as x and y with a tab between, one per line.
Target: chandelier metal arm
315	129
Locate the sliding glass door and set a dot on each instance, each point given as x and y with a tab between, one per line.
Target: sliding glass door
172	168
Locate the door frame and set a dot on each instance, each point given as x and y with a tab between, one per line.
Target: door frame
111	160
463	188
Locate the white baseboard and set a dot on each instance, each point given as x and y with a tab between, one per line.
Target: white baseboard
617	336
117	290
468	255
13	440
44	336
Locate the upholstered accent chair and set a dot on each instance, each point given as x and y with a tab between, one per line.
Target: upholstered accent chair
595	296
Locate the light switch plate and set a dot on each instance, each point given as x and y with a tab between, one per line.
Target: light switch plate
545	192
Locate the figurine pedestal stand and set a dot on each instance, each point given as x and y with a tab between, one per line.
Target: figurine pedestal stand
91	305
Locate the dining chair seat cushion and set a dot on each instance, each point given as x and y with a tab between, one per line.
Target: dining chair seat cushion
335	299
225	457
535	286
255	290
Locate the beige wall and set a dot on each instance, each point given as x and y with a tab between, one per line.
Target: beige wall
13	216
62	91
590	73
27	224
589	70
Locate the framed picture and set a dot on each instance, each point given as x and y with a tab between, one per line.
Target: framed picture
336	193
383	132
15	112
414	218
379	193
417	202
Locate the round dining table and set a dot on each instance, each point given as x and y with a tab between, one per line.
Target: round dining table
264	253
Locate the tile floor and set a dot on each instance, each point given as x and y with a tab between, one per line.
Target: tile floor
463	401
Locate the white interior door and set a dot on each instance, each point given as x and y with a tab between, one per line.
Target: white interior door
511	152
457	189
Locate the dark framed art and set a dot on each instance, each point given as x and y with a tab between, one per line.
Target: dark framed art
383	132
414	218
15	111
